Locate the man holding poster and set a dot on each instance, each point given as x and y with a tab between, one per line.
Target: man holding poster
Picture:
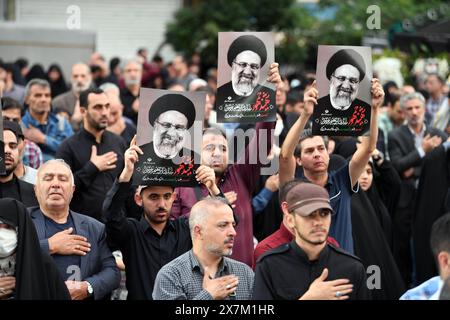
341	112
168	158
244	98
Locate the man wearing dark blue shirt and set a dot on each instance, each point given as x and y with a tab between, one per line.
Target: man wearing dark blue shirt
314	159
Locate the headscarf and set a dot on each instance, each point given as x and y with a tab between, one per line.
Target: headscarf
36	275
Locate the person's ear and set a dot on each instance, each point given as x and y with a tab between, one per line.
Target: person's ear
198	231
444	263
138	199
298	161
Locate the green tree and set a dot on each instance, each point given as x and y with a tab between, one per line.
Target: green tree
196	27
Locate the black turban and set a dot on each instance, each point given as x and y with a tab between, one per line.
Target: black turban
247	42
346	56
172	101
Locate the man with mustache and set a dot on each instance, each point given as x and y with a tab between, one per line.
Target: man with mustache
308	268
94	154
149	240
129	95
76	242
171	116
246	56
10	185
206	272
345	70
67	103
42	125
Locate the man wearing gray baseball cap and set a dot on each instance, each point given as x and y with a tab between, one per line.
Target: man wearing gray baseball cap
308	268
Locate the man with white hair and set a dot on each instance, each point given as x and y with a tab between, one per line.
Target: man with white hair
206	272
132	74
76	242
408	146
67	103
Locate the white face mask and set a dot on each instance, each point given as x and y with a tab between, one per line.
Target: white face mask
8	242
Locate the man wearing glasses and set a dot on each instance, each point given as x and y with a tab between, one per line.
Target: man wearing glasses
345	70
246	56
171	116
308	268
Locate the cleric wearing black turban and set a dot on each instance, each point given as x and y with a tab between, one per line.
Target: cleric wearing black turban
246	56
345	70
171	116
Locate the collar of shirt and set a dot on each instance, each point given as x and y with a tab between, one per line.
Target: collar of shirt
436	295
285	231
302	255
420	134
146	226
51	118
195	264
90	136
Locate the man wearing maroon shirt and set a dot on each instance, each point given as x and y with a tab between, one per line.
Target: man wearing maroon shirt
283	234
237	181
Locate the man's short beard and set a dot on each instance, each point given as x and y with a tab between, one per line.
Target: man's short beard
316	243
132	82
244	85
212	248
78	87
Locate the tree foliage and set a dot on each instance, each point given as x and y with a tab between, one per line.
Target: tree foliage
299	29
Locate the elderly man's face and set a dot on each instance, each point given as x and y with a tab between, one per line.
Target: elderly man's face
54	186
132	74
245	72
169	132
414	111
344	85
81	77
39	99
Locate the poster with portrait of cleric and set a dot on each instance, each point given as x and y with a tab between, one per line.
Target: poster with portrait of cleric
169	132
244	94
2	144
344	75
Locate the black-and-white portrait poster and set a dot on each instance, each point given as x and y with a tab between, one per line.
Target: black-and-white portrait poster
169	132
244	94
344	75
2	143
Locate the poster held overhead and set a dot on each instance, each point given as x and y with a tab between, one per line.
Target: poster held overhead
344	75
244	94
169	132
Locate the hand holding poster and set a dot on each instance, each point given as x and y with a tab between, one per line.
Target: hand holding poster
244	94
344	76
168	121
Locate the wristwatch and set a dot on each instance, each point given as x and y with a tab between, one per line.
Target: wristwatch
90	290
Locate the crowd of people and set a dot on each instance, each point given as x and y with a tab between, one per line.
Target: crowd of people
342	218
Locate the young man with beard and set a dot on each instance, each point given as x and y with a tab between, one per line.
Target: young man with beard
94	154
10	185
152	240
308	268
315	160
68	103
206	272
42	125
